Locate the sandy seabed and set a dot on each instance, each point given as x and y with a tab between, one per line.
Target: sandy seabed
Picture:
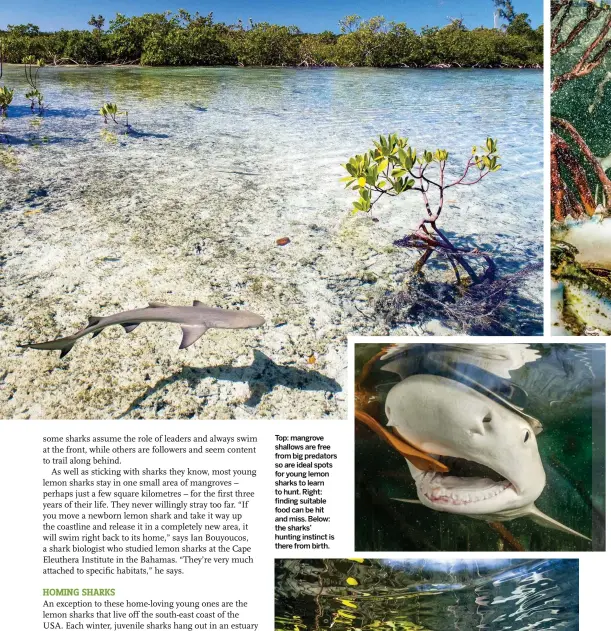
189	207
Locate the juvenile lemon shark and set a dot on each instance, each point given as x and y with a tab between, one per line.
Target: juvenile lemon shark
487	445
194	321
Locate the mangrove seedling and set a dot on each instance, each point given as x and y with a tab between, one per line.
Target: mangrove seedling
110	111
393	168
6	95
31	68
35	97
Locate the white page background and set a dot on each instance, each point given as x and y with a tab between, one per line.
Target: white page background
21	500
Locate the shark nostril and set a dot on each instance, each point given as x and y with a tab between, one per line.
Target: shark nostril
388	411
487	418
526	436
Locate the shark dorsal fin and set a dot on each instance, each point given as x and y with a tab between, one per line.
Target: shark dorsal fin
93	320
197	303
542	519
191	333
156	305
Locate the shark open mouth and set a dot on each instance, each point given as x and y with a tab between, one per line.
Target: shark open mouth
467	482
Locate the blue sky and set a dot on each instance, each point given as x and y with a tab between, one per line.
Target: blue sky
310	16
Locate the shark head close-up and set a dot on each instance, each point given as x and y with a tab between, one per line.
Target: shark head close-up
491	452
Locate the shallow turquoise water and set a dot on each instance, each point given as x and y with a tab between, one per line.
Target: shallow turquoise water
426	595
294	127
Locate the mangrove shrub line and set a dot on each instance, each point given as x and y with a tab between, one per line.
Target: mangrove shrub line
179	39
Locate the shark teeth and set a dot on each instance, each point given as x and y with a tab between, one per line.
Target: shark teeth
444	489
439	495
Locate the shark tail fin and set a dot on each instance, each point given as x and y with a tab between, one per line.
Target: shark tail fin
542	519
63	344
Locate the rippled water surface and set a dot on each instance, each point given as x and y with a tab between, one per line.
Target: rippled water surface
294	127
425	595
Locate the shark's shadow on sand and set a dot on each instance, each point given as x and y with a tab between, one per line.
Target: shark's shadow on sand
263	375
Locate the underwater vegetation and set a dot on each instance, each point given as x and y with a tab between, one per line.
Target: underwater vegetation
580	149
182	38
492	435
426	594
8	159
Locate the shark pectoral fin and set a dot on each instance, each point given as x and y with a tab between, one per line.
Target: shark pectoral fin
155	305
418	458
130	326
191	333
542	519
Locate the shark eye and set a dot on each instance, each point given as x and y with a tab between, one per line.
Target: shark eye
526	436
487	418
